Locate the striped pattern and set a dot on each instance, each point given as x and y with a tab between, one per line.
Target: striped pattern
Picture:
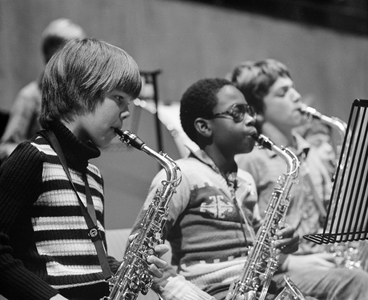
57	217
43	235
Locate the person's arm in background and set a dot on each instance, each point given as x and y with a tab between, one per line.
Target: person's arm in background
171	285
22	118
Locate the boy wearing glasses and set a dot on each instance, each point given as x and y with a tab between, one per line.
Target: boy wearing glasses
213	215
268	87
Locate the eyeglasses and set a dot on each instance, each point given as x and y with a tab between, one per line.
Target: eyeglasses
237	112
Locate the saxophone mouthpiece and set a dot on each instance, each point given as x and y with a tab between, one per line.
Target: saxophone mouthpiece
255	137
263	141
119	132
130	138
310	112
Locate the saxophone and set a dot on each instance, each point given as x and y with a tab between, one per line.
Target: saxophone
132	276
262	260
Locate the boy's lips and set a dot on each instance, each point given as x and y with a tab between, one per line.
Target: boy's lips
253	132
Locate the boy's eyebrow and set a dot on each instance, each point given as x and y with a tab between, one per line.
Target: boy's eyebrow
285	86
281	88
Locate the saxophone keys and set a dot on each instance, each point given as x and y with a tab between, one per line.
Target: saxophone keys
134	285
129	296
255	282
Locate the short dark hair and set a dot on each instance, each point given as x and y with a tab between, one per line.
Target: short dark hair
81	74
199	100
254	79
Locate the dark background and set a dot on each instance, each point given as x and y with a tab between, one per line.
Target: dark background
349	16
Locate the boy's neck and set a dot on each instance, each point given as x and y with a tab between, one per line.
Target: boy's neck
226	165
75	128
281	137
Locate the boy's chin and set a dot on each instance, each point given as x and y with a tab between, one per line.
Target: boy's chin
102	144
250	145
105	145
247	149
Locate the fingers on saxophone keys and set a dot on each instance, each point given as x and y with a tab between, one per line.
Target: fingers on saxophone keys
158	262
156	272
161	249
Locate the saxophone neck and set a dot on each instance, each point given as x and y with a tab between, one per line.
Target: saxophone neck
171	168
335	122
291	160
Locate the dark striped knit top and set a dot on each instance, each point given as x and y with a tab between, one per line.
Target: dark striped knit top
44	244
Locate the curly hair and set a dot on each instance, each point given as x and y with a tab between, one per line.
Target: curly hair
199	100
254	79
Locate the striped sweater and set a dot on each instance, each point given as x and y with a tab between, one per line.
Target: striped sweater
44	245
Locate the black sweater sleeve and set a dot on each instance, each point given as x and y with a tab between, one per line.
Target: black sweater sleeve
20	185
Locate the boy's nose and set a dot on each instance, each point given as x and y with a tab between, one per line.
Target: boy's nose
249	120
296	96
124	115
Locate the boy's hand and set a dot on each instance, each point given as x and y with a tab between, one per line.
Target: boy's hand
156	262
288	241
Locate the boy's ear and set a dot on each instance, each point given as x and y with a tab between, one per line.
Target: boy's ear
203	127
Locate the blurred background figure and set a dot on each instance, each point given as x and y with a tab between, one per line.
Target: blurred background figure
319	136
23	117
268	87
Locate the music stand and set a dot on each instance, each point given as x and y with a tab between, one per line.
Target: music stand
151	77
348	209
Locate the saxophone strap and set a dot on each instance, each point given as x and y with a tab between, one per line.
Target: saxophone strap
89	213
233	185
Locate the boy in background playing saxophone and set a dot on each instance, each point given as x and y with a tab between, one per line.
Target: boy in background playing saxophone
268	87
213	216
